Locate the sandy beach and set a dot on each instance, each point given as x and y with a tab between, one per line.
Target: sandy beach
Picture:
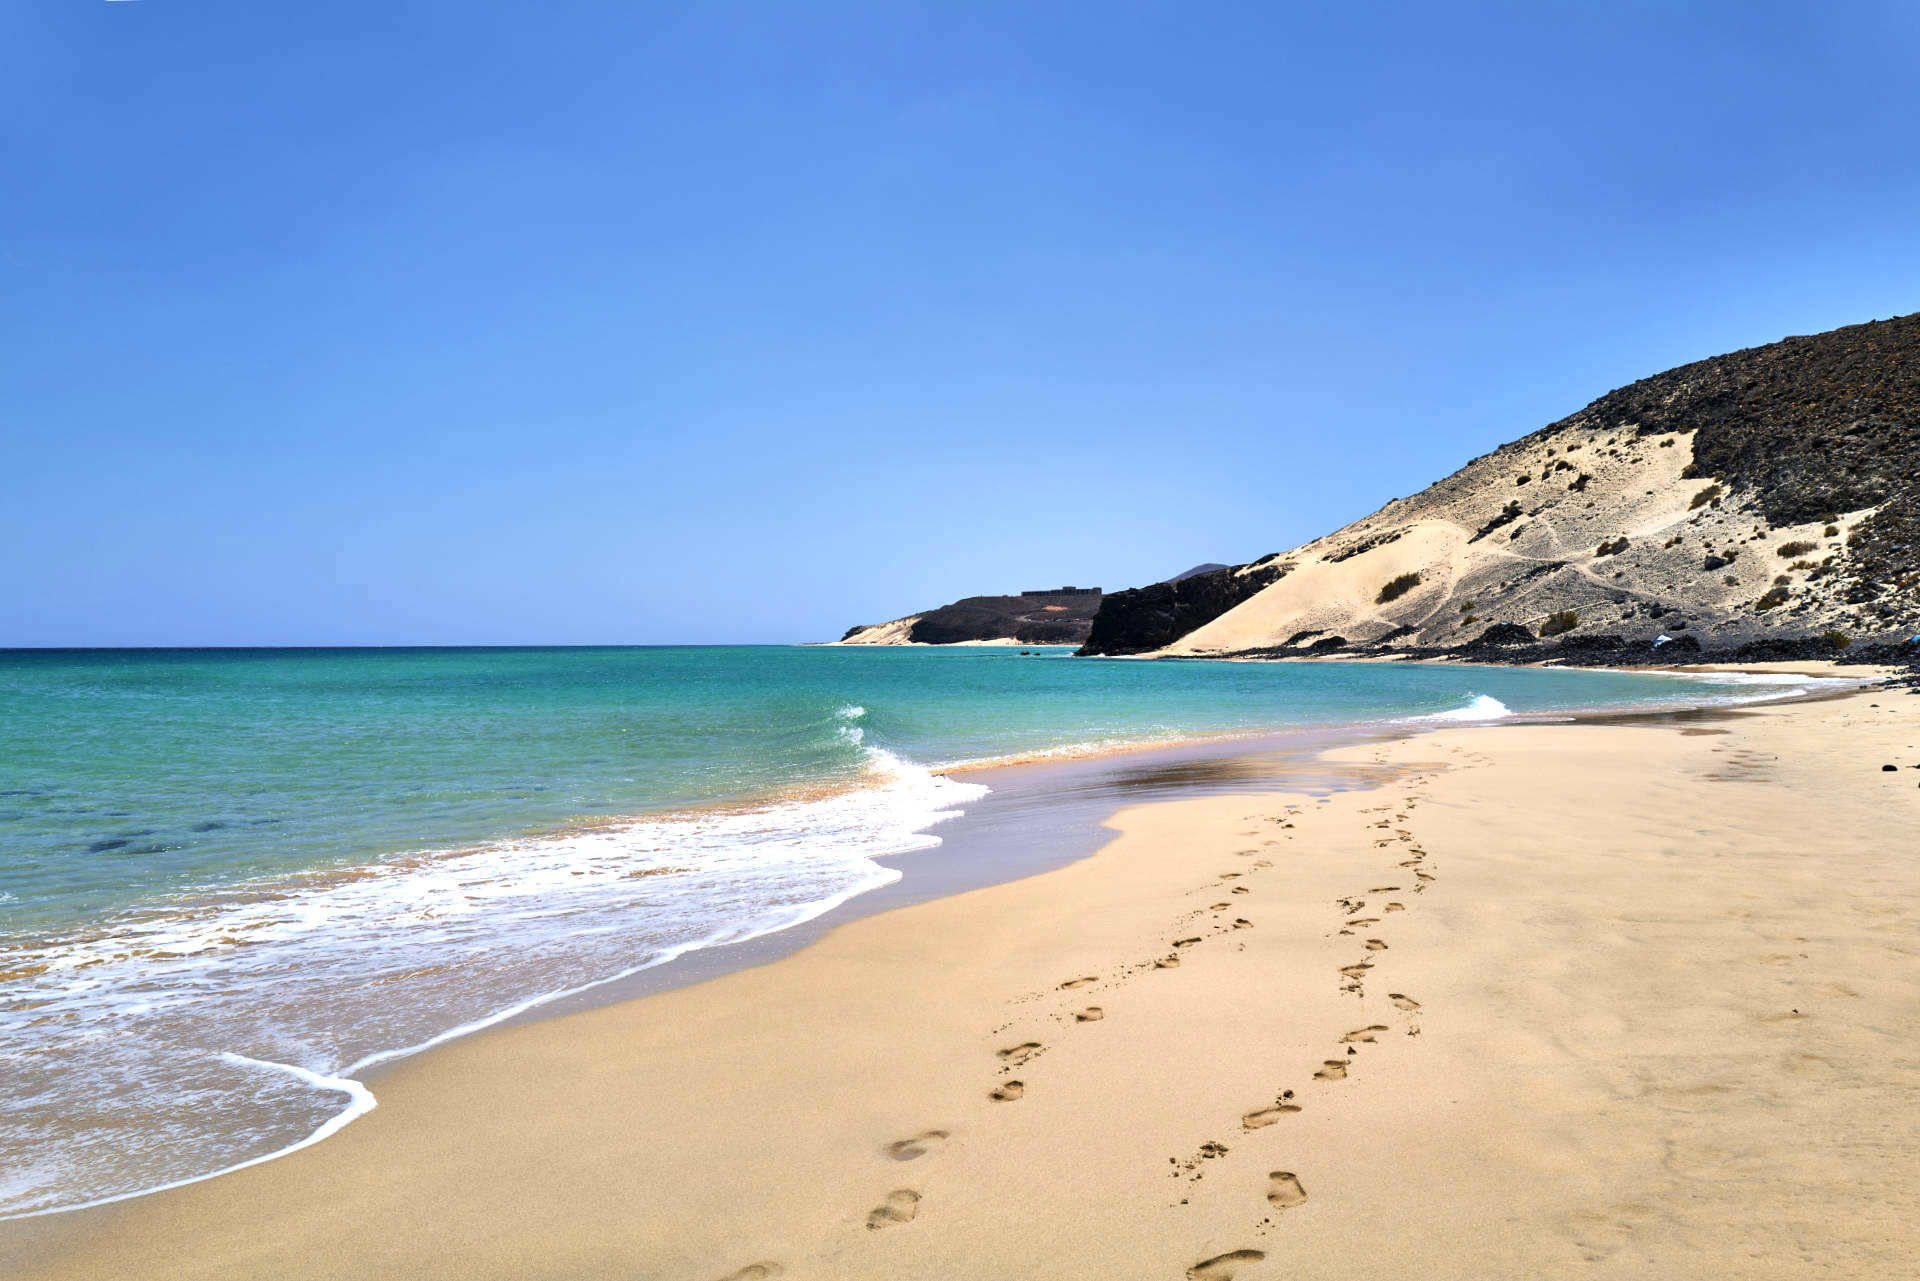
1602	999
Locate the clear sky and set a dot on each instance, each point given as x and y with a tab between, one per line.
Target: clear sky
580	322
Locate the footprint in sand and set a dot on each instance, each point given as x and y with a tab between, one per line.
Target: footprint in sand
1009	1092
1185	942
1242	923
1363	1033
1018	1054
1284	1190
1167	963
1375	945
917	1146
1383	889
1092	1014
1264	1117
1423	876
1403	1001
1218	907
756	1272
1082	981
1396	907
1223	1267
900	1207
1264	863
1241	889
1332	1070
1357	970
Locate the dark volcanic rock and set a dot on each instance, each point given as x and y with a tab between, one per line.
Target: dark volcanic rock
1505	634
1149	618
1816	425
1035	618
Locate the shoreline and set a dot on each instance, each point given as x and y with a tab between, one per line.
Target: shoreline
794	949
1078	794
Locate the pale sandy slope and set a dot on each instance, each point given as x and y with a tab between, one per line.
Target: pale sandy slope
896	632
1653	1015
1550	557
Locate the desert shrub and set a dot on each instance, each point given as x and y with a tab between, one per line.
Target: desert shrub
1466	619
1704	497
1829	532
1795	548
1775	596
1667	443
1395	588
1801	564
1579	484
1839	640
1466	607
1731	581
1562	621
1781	580
1613	547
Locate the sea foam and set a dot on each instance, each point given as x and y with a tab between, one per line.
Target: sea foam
1481	707
225	1028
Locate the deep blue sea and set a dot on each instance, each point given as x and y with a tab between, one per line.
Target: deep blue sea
231	880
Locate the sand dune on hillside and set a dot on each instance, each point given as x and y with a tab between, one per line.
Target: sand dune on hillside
1601	524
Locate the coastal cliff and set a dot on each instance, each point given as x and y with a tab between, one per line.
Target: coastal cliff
1058	616
1767	494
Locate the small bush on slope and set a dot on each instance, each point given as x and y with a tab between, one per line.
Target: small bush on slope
1396	588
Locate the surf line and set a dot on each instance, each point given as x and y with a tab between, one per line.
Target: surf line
360	1099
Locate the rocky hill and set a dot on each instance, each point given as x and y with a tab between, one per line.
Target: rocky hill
1057	616
1770	493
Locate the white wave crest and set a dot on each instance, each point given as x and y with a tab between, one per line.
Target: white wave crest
170	1013
1483	707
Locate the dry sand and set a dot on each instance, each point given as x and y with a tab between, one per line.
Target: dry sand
1593	1000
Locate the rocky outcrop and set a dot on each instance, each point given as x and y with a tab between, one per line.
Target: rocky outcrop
1769	493
1150	618
1061	617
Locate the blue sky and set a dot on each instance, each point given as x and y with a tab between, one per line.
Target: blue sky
580	322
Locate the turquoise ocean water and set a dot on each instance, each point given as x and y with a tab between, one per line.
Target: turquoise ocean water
231	881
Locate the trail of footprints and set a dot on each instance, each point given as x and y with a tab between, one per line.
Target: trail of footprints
1284	1189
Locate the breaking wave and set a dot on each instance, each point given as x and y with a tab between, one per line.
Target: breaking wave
1482	707
217	1029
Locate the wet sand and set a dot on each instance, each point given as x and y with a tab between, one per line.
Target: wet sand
1621	1000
